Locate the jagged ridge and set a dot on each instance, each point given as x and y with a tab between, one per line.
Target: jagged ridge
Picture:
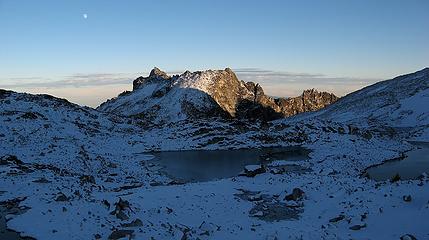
211	93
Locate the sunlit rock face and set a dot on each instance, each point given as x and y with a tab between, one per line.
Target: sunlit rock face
204	94
310	100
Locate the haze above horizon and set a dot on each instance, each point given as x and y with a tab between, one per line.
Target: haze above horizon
88	51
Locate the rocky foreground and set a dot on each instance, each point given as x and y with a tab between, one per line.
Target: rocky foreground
69	172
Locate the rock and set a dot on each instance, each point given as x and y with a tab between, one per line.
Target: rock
118	234
41	180
121	215
30	115
297	194
106	203
136	223
254	198
277	170
206	227
176	182
395	178
127	187
61	197
406	198
253	170
423	176
408	237
10	159
12	203
337	219
122	204
87	179
357	227
120	207
257	214
155	75
310	100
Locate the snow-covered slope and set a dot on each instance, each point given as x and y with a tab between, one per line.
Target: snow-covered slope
84	174
402	102
170	99
41	129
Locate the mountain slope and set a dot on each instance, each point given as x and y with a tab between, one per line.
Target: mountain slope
204	94
85	174
397	102
400	104
54	131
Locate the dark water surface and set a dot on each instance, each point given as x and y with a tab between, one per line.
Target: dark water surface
413	165
204	165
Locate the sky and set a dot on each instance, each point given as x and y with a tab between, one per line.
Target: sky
89	51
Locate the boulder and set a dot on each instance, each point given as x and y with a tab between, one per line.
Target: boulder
408	237
61	197
253	170
118	234
297	194
357	227
406	198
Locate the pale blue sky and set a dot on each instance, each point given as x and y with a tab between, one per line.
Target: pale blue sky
48	46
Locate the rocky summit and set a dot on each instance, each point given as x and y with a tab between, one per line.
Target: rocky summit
211	93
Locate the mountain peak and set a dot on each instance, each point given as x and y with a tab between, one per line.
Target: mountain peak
156	72
209	93
155	75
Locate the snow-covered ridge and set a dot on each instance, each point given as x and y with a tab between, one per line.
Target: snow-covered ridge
211	93
399	102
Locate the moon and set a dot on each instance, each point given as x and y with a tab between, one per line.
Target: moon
85	15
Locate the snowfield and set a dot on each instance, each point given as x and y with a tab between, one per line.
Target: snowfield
83	174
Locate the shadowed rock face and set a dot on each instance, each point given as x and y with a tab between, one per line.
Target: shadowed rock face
211	93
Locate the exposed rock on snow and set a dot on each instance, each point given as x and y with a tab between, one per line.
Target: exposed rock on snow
297	194
357	227
408	237
406	198
337	219
120	234
122	208
61	197
253	170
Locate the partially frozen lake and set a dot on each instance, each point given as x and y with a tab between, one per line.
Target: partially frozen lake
204	165
414	164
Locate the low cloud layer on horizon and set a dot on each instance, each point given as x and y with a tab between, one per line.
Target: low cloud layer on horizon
93	89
